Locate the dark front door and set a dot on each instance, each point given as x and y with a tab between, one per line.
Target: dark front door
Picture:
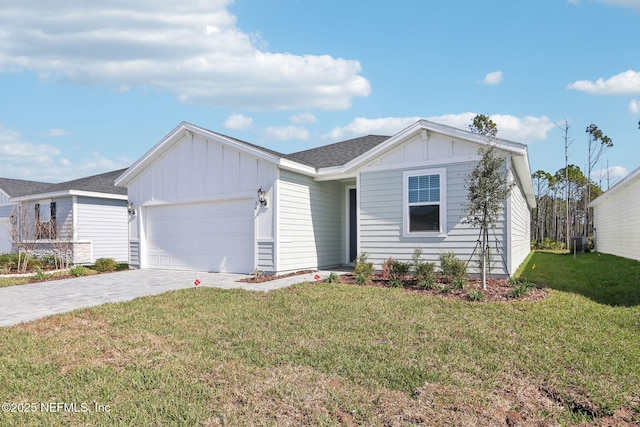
353	226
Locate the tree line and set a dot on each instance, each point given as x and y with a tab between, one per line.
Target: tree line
563	197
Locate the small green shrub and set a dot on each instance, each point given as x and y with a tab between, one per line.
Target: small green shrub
520	288
40	275
459	283
363	269
78	270
332	278
105	264
451	267
475	295
48	261
423	271
397	271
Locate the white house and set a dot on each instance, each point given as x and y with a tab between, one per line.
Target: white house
91	213
206	201
616	218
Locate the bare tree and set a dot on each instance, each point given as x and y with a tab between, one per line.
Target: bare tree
598	143
24	234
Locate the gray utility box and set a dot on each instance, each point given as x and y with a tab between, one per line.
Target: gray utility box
578	244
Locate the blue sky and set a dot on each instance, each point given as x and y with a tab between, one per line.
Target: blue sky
90	88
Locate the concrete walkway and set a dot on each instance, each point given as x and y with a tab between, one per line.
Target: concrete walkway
36	300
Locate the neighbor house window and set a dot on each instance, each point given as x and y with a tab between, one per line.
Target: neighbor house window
424	202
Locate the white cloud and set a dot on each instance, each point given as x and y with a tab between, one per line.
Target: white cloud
520	129
287	133
238	122
363	126
634	106
493	78
611	175
42	162
193	49
303	119
627	83
54	133
633	4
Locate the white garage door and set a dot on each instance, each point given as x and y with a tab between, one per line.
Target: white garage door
215	237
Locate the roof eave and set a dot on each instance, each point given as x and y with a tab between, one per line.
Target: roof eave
624	183
65	193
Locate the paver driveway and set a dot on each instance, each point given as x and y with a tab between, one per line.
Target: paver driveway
36	300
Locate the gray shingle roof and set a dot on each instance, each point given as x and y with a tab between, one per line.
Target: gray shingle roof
101	183
21	187
339	153
336	154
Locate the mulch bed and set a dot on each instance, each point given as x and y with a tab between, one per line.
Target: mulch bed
497	289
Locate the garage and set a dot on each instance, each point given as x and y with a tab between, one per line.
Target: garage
213	236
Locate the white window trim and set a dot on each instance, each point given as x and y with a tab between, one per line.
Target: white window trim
443	203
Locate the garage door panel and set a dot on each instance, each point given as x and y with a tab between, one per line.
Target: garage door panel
207	237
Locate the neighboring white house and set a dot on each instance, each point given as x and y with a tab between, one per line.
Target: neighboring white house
616	218
90	213
206	201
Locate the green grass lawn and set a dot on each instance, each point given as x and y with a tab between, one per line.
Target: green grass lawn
331	354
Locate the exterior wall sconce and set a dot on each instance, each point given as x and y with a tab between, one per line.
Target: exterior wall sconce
262	197
130	208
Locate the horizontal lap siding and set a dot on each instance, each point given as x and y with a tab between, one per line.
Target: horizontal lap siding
105	224
617	223
310	223
520	228
381	219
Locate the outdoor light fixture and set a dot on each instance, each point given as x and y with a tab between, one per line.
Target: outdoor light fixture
130	208
262	197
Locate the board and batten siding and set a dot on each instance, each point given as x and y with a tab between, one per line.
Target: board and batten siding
381	219
103	222
200	169
310	223
617	222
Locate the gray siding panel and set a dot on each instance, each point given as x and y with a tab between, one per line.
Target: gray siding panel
381	219
134	254
266	260
310	218
105	223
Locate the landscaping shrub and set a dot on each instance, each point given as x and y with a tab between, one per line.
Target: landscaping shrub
363	269
78	270
451	267
333	278
397	270
423	271
520	288
105	264
475	295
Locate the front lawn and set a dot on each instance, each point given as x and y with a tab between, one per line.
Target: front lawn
335	354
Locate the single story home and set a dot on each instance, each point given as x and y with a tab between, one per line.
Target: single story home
86	216
616	218
209	202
